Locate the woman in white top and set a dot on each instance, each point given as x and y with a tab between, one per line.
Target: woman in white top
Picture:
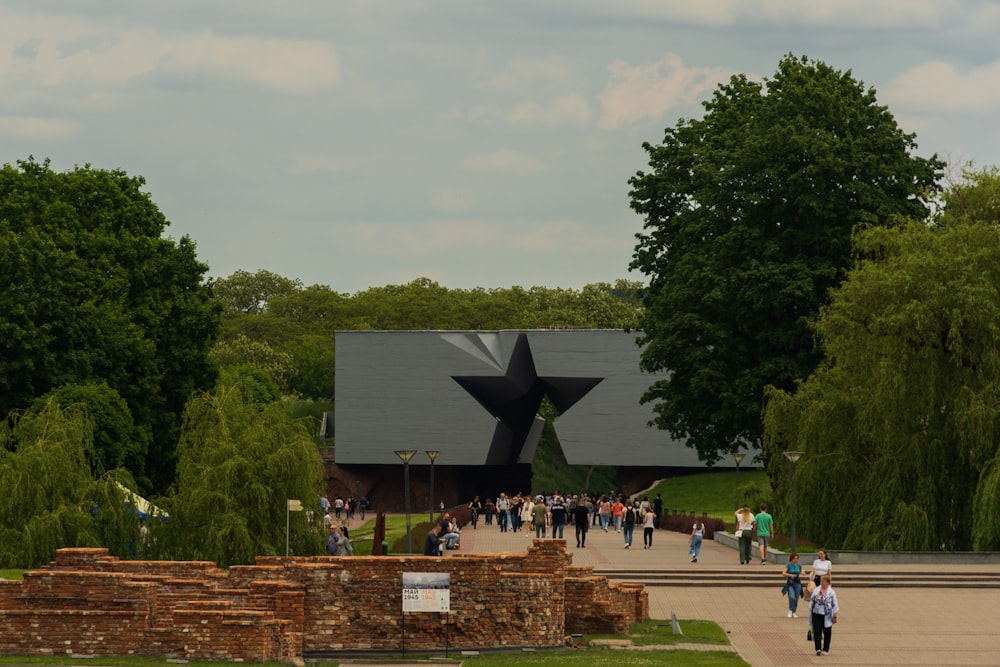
648	522
527	505
697	534
744	524
820	566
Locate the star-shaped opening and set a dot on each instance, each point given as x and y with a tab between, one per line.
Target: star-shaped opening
514	399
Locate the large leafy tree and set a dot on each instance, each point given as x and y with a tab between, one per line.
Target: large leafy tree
245	292
117	442
92	291
748	217
902	419
240	461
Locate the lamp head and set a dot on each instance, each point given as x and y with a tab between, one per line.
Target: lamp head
405	454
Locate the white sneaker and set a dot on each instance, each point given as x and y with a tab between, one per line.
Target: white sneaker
795	615
789	613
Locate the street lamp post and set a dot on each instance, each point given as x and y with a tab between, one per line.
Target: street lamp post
737	456
794	458
432	454
405	455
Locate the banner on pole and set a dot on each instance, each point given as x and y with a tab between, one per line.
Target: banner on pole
294	505
426	591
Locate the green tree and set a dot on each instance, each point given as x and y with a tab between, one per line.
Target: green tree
238	463
901	420
314	368
92	291
254	383
242	351
249	293
117	441
51	499
748	218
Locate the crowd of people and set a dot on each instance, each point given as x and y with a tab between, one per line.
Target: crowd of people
341	509
550	515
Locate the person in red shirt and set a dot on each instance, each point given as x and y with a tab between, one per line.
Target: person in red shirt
617	509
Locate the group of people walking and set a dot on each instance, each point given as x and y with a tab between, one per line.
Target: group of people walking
746	524
817	585
823	606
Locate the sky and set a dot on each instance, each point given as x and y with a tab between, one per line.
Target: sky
363	143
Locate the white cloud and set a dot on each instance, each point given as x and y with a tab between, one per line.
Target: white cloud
647	92
568	110
854	14
302	66
58	53
503	160
33	128
941	87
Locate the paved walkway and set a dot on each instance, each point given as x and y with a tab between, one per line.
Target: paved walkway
877	626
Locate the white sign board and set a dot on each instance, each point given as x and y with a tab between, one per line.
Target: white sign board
426	591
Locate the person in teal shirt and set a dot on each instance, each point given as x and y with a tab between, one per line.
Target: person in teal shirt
793	584
764	523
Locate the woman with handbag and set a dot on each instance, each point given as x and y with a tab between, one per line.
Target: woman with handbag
744	531
823	609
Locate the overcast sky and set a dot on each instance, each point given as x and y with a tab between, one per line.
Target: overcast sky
478	144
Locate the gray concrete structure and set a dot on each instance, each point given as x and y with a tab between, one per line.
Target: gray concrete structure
474	396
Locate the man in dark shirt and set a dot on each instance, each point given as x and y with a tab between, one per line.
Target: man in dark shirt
558	513
432	545
581	518
658	508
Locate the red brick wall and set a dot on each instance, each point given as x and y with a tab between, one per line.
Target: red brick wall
88	603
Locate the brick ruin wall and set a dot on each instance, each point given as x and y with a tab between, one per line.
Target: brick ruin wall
282	609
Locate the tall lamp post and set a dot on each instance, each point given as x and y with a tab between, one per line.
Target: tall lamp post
737	456
794	458
432	454
405	455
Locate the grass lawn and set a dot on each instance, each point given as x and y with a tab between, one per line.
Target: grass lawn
713	492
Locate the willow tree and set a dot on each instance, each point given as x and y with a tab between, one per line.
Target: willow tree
900	422
239	462
51	499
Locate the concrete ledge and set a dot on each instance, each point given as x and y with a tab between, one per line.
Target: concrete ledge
844	557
